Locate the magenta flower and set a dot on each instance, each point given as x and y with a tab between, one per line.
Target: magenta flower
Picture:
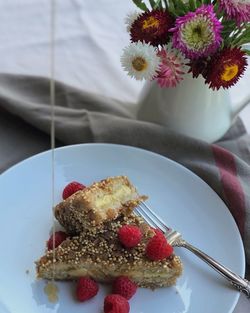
238	10
171	68
197	34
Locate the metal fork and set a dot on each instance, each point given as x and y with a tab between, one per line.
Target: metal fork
174	238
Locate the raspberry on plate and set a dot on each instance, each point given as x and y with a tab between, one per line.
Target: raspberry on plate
60	236
116	304
71	188
86	289
124	286
158	249
129	235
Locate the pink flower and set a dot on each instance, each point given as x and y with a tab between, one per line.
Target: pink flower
171	68
197	34
238	10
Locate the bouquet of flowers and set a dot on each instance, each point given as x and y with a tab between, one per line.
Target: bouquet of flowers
202	37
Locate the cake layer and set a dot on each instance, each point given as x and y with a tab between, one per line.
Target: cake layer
98	253
102	201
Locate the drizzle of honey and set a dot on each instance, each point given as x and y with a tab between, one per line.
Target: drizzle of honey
51	291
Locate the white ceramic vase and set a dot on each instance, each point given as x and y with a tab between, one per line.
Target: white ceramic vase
191	108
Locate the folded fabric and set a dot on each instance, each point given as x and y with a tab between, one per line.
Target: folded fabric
82	117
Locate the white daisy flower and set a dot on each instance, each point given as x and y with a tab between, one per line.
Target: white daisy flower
140	60
130	18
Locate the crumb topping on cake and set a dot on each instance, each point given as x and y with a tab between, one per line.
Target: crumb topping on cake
102	201
101	245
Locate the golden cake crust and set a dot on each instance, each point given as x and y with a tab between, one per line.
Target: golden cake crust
98	253
102	201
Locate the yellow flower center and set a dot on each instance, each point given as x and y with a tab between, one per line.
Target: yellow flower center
150	22
230	71
139	64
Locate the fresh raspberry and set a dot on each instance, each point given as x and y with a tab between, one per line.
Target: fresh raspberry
71	188
157	231
158	249
129	235
86	288
60	236
116	304
124	286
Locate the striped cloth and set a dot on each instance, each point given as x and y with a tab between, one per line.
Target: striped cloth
83	117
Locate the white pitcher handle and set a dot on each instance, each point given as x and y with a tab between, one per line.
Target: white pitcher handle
237	107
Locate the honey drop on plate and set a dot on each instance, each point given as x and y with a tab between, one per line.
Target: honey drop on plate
51	291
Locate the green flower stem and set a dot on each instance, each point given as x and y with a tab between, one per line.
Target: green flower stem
242	36
192	5
158	4
140	4
152	3
247	52
165	3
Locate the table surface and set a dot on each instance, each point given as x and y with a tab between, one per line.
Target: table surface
90	36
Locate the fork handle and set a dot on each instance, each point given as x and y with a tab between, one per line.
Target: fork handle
238	282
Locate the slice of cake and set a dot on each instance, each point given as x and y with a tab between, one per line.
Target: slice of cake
103	201
98	253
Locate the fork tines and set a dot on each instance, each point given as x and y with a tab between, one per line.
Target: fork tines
150	217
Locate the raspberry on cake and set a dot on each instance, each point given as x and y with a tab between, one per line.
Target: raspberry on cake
58	237
129	235
102	201
72	188
158	248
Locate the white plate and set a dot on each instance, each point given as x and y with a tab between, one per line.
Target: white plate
180	197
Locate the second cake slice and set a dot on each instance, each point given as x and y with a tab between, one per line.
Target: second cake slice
101	202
